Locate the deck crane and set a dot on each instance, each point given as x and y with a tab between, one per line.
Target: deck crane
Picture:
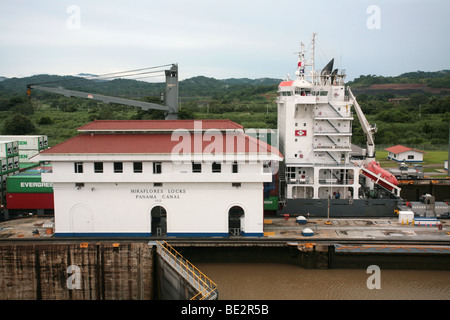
369	129
371	169
170	95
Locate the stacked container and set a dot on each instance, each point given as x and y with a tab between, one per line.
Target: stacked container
25	191
28	145
9	164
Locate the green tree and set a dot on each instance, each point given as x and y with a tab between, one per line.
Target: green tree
45	120
18	125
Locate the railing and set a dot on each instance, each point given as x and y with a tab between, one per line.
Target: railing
207	289
234	231
334	115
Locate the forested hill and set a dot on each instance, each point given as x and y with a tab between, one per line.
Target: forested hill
410	109
434	82
200	86
193	87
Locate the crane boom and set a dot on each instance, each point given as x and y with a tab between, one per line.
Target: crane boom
99	97
369	130
170	96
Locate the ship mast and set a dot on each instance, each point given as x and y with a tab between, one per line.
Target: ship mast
301	69
313	42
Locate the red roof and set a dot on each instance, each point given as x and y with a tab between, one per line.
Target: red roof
286	84
399	149
158	125
160	144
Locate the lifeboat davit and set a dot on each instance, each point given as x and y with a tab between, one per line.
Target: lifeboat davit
386	175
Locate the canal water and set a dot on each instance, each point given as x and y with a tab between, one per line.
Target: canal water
268	281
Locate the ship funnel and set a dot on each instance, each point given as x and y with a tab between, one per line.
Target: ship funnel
327	69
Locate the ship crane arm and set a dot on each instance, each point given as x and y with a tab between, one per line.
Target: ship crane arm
171	95
369	130
99	97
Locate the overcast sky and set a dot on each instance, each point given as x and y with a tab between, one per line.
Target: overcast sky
222	39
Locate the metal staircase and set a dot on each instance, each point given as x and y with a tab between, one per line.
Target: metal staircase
206	288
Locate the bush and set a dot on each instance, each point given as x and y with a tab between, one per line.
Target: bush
45	120
18	125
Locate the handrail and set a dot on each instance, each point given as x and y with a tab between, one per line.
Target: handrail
205	285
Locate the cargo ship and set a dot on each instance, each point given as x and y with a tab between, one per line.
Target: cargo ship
322	175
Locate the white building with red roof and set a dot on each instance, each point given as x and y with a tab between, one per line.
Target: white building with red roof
150	177
401	153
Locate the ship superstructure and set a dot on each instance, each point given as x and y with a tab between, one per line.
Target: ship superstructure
315	116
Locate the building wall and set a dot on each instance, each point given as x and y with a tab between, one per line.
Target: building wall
405	156
193	209
249	172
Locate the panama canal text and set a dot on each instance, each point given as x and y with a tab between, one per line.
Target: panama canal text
158	194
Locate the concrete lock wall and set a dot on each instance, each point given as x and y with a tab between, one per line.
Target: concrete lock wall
171	285
76	271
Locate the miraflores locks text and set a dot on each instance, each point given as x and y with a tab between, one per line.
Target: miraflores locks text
158	193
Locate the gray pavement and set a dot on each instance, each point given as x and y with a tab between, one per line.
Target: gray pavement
357	228
279	228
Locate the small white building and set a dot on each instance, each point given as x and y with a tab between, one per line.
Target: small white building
401	153
181	178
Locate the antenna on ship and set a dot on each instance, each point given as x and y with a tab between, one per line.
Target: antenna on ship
313	41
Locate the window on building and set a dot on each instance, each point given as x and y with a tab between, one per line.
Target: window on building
290	173
118	167
216	167
411	157
236	184
78	167
98	167
196	167
137	167
157	184
235	167
157	167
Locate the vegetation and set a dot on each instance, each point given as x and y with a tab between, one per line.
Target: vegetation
410	117
439	79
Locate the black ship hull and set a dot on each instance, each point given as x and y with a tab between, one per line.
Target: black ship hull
341	208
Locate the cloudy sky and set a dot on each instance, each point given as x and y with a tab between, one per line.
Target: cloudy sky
222	39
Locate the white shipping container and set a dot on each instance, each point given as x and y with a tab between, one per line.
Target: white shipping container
3	165
16	162
10	164
28	142
7	149
25	155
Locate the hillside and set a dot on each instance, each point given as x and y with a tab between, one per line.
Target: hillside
406	83
411	109
193	87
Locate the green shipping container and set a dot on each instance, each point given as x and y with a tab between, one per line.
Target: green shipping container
271	203
27	183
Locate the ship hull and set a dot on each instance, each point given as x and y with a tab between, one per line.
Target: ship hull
341	208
